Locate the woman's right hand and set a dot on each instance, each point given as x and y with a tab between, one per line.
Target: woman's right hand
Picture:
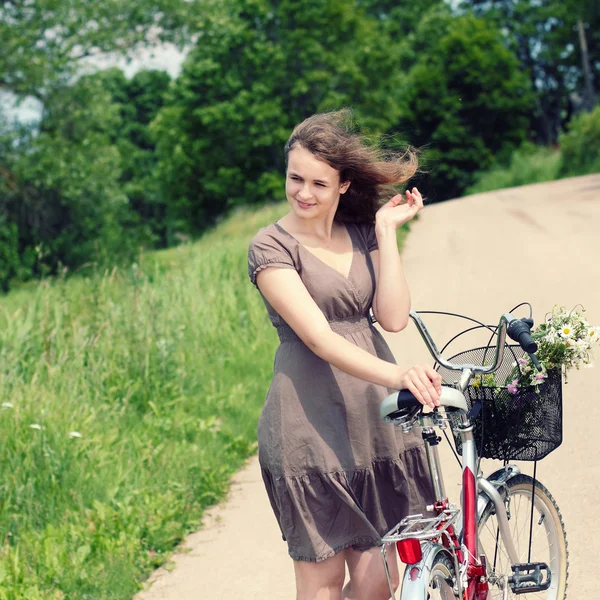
424	382
398	210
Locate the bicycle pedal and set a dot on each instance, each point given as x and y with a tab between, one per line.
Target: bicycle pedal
530	577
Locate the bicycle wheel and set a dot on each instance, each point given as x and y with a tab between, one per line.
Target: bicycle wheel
441	579
548	539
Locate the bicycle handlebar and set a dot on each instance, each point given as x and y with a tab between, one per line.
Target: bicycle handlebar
518	329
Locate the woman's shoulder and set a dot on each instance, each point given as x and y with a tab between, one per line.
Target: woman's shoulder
268	237
270	247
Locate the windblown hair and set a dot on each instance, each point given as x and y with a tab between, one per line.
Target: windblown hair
373	174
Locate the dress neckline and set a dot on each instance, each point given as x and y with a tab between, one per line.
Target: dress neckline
305	249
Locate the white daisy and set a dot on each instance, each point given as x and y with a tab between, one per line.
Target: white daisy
567	331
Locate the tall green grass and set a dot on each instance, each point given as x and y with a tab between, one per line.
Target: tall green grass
529	164
579	154
129	398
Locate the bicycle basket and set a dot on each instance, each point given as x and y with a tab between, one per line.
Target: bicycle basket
523	426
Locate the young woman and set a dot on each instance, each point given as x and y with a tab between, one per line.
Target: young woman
337	477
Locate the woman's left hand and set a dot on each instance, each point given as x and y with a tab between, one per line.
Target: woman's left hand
395	214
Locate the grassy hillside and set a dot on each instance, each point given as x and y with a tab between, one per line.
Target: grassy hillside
128	399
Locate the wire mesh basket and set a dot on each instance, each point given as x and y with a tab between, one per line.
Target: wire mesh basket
526	425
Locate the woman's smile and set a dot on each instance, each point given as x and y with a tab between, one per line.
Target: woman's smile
304	205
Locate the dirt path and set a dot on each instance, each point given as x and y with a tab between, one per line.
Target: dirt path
479	256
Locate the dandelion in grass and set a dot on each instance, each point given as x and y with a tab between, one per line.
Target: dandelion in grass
75	434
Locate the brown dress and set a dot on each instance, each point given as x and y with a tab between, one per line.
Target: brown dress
336	475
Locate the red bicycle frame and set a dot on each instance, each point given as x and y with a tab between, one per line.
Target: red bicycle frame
470	567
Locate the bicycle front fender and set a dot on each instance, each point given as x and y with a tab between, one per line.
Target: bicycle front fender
416	576
497	479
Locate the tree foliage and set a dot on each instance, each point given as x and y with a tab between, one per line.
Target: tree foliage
580	144
139	100
43	42
544	37
465	100
62	195
399	18
249	80
118	162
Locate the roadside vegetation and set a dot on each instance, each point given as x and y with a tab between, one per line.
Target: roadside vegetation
577	153
130	397
116	160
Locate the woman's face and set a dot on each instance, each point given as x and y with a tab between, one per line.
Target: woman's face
312	187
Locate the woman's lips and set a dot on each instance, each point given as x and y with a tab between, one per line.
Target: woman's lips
304	205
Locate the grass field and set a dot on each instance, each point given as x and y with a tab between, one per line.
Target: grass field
129	398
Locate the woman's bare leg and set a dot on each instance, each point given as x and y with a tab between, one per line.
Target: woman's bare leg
368	580
320	581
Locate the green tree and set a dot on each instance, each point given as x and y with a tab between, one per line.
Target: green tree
465	100
43	42
60	200
250	79
139	100
63	193
580	145
545	36
399	18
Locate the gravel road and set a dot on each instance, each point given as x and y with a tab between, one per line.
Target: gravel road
480	256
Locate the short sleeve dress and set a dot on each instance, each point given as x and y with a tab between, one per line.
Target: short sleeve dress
336	475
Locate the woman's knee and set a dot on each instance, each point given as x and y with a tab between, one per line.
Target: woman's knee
320	581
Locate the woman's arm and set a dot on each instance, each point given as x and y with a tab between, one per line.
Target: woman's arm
391	303
286	293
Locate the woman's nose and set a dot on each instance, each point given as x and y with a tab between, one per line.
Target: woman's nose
305	191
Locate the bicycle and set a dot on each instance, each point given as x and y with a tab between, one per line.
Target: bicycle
508	537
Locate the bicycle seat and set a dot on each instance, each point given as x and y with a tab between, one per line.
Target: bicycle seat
403	404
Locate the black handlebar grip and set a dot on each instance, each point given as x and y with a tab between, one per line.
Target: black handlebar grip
527	343
520	332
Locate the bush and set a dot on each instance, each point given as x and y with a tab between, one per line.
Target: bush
528	164
465	99
580	145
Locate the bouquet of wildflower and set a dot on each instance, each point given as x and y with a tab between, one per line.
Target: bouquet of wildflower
565	341
521	416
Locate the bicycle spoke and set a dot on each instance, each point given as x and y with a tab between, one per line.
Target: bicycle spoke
543	541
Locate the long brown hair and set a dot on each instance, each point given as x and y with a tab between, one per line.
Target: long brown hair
373	174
